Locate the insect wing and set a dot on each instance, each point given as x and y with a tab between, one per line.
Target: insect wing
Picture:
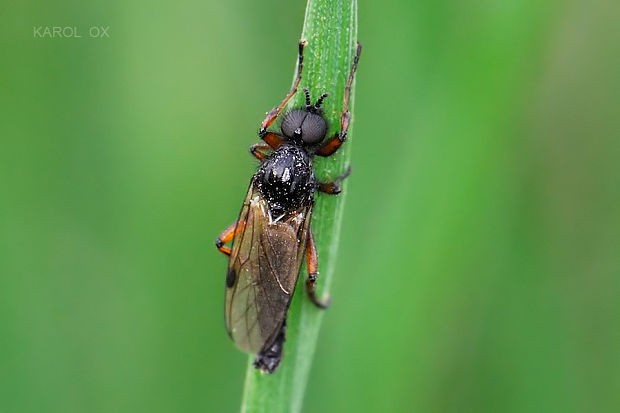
263	269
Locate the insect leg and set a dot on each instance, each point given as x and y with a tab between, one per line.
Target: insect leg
272	139
269	357
227	235
333	187
273	113
335	142
257	151
313	273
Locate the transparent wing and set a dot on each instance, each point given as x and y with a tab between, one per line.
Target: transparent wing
262	273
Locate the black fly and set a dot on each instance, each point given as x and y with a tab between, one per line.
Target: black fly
273	229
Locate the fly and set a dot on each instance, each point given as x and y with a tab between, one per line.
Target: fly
273	231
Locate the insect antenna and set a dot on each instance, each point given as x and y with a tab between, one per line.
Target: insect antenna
308	102
319	102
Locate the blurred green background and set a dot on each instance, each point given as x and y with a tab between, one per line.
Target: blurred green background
479	266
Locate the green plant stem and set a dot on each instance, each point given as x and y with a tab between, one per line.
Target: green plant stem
330	28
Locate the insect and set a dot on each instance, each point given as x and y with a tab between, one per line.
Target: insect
273	230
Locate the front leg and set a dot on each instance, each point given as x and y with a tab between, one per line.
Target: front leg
332	145
257	151
273	113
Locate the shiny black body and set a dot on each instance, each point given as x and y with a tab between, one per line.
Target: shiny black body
286	180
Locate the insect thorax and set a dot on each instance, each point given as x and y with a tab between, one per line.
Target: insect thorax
286	179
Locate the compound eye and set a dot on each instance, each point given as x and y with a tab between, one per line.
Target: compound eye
292	122
313	128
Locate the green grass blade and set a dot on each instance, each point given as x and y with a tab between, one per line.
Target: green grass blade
330	28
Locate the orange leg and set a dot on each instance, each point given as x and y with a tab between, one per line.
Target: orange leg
313	272
226	236
273	113
273	139
335	142
257	151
